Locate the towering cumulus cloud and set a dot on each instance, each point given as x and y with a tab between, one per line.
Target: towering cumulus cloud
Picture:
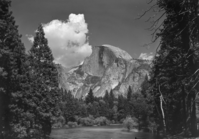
68	40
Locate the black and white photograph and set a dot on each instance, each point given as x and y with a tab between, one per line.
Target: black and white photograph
99	69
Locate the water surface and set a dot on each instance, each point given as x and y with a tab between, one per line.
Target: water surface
103	132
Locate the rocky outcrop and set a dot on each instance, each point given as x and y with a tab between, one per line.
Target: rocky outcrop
107	68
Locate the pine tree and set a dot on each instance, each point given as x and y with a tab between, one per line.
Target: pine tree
89	97
128	102
175	72
44	83
111	99
129	94
69	107
144	86
121	107
12	56
106	97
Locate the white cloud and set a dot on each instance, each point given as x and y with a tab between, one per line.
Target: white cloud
146	56
68	40
30	38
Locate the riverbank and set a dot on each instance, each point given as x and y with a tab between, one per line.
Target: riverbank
110	125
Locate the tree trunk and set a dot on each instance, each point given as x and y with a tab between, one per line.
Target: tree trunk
163	116
193	117
185	27
195	67
1	114
184	111
197	15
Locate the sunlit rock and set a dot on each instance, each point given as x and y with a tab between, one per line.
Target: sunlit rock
107	68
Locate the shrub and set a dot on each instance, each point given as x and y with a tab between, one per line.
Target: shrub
91	117
90	121
101	121
61	119
72	124
129	123
113	122
58	122
57	125
121	121
87	121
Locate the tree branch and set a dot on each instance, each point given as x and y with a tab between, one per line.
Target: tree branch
140	16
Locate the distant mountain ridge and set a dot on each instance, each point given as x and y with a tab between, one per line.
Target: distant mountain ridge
108	67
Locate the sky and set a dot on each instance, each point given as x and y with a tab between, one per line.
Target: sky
72	27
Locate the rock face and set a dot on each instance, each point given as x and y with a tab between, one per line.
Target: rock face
107	68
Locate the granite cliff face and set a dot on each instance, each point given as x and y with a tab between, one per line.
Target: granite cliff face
107	68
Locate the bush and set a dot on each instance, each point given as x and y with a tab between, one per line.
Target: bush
90	121
61	119
129	123
57	125
91	117
121	121
101	121
58	122
87	121
113	122
72	124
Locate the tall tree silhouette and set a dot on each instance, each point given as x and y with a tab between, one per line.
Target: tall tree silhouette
89	97
106	97
175	72
111	99
128	102
44	82
12	55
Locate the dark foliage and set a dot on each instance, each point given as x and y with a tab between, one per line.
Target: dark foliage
89	98
44	92
12	57
174	76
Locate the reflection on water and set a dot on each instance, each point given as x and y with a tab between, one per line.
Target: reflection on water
107	132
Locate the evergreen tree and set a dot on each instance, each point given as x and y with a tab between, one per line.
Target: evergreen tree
128	102
93	109
129	94
103	109
145	85
12	57
44	83
121	107
90	98
106	97
81	108
111	99
69	107
175	72
140	109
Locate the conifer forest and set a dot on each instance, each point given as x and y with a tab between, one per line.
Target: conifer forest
32	103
